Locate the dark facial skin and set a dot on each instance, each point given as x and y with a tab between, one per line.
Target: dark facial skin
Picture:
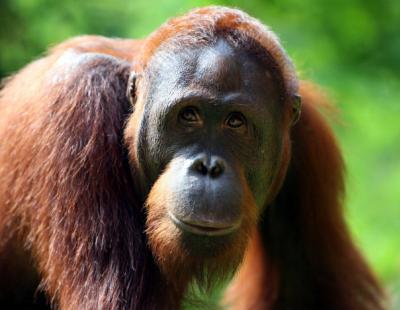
212	120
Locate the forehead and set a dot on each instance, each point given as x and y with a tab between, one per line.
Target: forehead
215	70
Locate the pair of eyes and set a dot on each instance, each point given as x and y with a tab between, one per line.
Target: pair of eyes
191	116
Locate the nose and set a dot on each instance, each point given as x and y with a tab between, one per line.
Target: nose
213	166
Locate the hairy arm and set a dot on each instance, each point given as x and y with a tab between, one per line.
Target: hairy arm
65	181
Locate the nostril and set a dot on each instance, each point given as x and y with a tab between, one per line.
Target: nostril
217	168
213	166
200	167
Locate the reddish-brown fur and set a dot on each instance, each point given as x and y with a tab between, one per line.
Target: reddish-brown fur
66	188
67	194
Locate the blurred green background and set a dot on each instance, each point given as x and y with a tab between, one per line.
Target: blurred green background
350	47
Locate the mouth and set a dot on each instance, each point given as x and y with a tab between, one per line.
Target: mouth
203	228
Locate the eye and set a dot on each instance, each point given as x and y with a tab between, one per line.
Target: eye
189	115
235	120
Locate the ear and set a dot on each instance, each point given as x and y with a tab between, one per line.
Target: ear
296	108
131	91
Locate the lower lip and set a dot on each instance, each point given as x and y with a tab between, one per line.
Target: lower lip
203	230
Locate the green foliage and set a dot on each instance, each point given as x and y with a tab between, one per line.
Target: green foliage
351	47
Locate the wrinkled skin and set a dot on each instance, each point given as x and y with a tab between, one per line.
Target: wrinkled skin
214	85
